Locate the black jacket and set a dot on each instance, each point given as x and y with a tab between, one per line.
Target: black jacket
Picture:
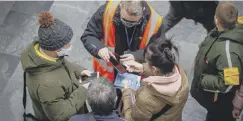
199	11
94	33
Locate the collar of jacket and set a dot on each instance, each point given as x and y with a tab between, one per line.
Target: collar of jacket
32	62
42	55
166	85
233	34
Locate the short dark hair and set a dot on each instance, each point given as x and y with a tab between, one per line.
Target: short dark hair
101	97
227	14
161	55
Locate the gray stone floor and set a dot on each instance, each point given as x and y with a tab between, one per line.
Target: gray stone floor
20	26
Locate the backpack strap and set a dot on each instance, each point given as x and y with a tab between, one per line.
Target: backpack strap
29	115
161	112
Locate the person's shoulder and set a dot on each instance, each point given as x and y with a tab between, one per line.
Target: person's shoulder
81	117
101	9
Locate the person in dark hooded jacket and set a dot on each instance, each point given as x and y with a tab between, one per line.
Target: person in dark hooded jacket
218	65
52	81
199	11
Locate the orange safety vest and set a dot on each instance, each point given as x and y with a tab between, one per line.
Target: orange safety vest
106	70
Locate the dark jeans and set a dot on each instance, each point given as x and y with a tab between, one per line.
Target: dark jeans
221	110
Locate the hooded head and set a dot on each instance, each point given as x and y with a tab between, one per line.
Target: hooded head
54	36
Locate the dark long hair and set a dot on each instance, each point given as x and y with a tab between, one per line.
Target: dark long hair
159	54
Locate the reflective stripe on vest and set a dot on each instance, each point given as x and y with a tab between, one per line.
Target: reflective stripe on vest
152	27
107	20
106	70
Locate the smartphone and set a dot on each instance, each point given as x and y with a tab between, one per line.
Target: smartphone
117	65
92	76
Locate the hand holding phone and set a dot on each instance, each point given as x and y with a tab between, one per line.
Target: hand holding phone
105	54
126	57
117	65
134	66
92	75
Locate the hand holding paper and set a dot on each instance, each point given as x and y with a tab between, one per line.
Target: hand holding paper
134	66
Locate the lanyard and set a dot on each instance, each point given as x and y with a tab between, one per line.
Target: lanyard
129	42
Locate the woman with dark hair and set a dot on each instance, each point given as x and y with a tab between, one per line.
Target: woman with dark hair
164	90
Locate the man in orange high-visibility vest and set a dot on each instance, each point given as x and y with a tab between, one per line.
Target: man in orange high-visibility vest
121	27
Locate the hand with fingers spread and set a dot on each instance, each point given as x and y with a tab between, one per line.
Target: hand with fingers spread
134	66
126	57
105	54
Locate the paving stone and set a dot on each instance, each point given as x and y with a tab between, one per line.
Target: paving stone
8	64
5	6
31	7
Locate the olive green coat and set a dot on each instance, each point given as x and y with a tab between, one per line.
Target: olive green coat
53	87
219	51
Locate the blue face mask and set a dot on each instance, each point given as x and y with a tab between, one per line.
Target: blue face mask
64	51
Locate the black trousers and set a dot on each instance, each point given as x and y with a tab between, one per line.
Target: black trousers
221	110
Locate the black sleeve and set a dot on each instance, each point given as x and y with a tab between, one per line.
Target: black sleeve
174	15
94	33
138	55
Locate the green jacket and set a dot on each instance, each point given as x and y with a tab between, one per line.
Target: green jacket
53	86
219	51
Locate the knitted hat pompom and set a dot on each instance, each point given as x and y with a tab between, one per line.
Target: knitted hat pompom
45	19
53	34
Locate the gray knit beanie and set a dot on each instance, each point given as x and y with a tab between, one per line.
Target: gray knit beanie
53	34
